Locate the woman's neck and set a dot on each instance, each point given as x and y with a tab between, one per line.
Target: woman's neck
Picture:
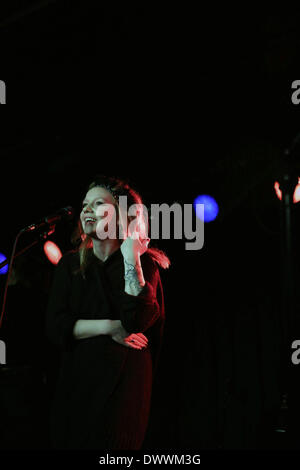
104	248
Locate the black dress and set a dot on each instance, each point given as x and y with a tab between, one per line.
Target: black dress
103	394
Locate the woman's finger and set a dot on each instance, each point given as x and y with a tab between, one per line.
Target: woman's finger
133	345
136	341
138	338
142	337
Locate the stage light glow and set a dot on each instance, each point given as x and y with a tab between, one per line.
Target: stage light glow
5	268
278	191
211	208
297	192
52	252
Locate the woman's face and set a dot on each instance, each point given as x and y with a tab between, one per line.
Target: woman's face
96	207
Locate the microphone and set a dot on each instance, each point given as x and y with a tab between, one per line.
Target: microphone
64	213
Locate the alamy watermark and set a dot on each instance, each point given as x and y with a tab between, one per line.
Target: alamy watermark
2	352
2	92
166	222
296	354
296	94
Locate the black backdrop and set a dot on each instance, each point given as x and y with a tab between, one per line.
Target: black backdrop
181	102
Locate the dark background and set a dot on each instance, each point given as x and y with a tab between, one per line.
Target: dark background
180	101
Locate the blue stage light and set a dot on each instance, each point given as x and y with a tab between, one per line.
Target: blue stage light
211	208
5	268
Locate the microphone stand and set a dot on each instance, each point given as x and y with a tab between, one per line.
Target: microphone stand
42	236
288	183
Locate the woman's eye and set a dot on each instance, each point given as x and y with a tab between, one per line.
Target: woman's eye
99	202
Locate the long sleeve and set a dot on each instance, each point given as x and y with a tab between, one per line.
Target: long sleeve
60	320
138	313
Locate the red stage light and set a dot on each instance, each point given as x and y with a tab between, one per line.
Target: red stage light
52	252
296	193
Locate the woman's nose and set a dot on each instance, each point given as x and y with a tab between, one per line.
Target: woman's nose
87	209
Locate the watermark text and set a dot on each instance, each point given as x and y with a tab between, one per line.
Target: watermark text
2	92
167	222
2	352
296	94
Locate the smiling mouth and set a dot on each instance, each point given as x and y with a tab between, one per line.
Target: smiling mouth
90	220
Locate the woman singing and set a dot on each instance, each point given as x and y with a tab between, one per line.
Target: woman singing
106	314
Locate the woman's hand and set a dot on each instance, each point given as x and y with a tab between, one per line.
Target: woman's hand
132	248
134	341
136	243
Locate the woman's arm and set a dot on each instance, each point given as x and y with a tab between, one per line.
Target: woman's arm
133	275
89	328
132	249
63	326
140	307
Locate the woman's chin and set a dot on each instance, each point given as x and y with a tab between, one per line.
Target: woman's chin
90	232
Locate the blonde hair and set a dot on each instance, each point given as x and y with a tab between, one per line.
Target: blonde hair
117	187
